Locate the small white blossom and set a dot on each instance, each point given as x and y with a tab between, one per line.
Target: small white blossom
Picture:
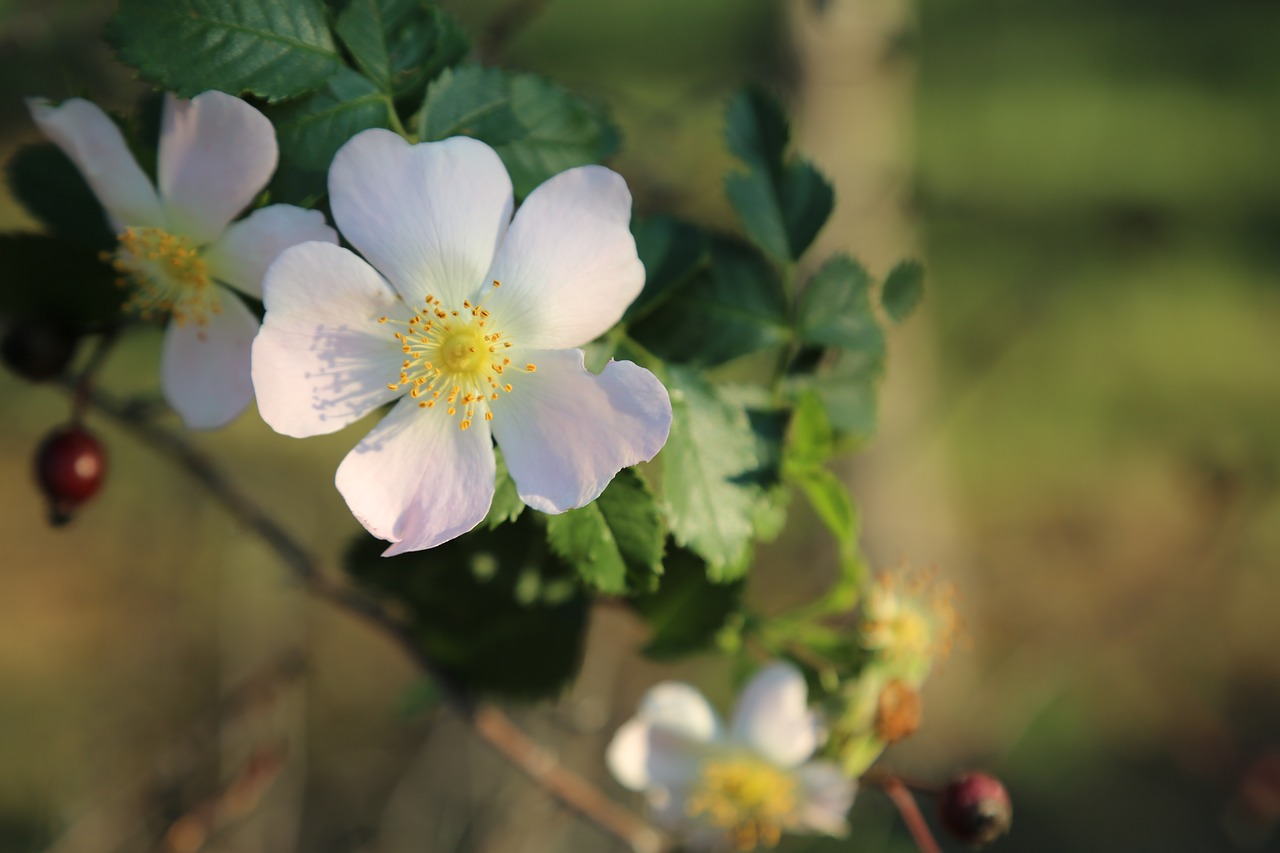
470	321
178	251
737	788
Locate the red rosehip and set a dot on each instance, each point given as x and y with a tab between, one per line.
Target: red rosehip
975	808
70	466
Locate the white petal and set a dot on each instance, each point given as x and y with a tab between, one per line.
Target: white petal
772	716
216	154
322	360
663	737
428	216
204	369
826	797
566	432
417	479
244	251
568	266
93	142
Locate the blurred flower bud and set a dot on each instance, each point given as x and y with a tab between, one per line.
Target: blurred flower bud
897	712
38	349
70	467
908	622
975	808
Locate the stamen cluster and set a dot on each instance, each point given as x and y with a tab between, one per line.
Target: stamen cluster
167	274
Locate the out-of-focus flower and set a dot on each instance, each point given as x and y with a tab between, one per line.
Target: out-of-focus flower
179	253
739	787
909	622
474	331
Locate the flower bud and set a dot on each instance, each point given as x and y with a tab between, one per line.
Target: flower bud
70	467
38	349
897	712
975	808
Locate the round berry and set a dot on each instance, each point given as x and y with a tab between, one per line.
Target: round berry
38	349
70	466
975	808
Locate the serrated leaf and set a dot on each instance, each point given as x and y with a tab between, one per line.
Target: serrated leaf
311	130
687	610
835	309
401	45
781	203
52	190
707	467
616	541
830	500
506	505
672	252
736	307
537	127
274	50
493	608
903	289
51	278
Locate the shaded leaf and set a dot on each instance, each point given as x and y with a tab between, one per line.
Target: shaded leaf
835	308
52	190
903	290
51	278
686	611
616	541
401	45
671	251
506	505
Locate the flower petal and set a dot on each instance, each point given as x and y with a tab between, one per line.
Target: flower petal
827	795
663	743
772	716
427	216
204	369
216	154
566	432
244	251
568	266
93	142
322	360
417	479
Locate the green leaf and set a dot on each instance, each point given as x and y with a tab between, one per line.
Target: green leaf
672	252
708	466
849	391
273	50
401	45
903	289
830	499
810	439
735	308
497	612
49	278
835	309
52	190
506	505
782	203
311	130
537	127
687	610
616	541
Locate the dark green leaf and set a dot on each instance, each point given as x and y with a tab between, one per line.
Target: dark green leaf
273	50
537	127
672	251
687	610
616	541
903	289
401	44
835	309
737	307
49	278
506	505
52	190
708	469
782	204
493	608
311	130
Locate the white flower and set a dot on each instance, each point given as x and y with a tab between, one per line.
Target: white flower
474	331
742	787
177	251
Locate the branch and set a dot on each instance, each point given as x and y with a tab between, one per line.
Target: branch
488	722
896	790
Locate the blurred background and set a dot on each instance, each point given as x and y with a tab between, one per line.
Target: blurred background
1081	428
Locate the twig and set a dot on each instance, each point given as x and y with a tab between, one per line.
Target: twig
896	791
489	723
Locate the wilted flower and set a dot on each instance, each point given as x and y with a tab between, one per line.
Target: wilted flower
740	787
909	622
474	331
178	250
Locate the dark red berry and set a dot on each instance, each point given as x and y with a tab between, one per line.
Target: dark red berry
70	466
975	808
39	349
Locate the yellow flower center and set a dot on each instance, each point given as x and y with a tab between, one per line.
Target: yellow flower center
748	798
167	275
454	358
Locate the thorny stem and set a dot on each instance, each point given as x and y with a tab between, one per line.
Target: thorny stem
488	722
896	790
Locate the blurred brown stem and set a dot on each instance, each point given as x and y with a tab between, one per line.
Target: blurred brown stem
489	723
896	790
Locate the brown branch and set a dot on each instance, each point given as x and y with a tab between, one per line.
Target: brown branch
489	723
897	791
